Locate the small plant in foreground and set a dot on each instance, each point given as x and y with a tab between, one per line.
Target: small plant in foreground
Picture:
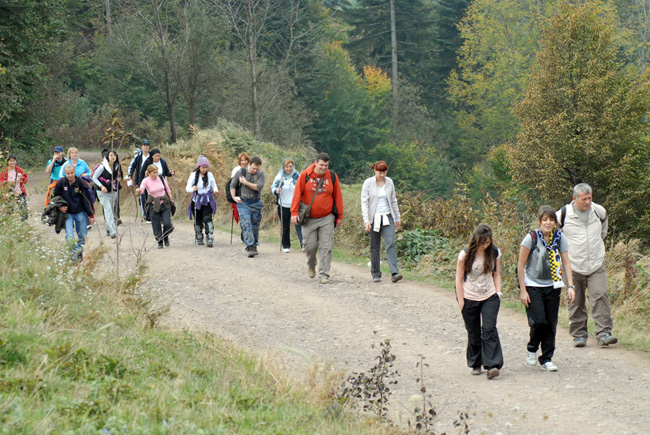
371	391
424	416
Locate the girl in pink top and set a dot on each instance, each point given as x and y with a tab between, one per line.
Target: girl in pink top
478	290
158	206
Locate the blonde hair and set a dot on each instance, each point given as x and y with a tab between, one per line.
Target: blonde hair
70	150
152	168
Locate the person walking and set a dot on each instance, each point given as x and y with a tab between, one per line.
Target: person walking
542	255
158	206
320	184
381	218
203	187
249	204
284	184
53	168
106	177
156	159
80	166
137	172
244	160
478	291
584	224
14	179
79	209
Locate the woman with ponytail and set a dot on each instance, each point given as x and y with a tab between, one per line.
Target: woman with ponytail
203	187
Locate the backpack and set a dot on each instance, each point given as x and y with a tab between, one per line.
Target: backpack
563	217
88	185
229	197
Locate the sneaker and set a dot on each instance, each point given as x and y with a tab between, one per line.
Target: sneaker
531	359
579	342
492	373
606	340
396	277
476	371
148	221
251	252
324	280
285	250
113	236
311	272
376	279
118	222
549	366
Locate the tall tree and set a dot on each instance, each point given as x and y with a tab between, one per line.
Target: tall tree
584	117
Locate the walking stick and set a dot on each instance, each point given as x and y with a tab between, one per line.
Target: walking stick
281	222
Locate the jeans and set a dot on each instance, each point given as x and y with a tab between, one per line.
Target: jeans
483	344
284	213
319	232
80	222
108	201
250	216
542	318
388	232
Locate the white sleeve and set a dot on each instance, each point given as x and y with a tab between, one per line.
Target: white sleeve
213	182
190	182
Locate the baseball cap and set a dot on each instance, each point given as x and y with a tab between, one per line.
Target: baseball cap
145	142
58	149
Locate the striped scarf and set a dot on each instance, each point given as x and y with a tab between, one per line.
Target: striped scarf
554	259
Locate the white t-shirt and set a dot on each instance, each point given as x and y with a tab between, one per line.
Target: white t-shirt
382	201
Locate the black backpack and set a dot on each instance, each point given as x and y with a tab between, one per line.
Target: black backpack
229	197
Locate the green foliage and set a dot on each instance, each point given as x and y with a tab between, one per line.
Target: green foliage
412	245
584	118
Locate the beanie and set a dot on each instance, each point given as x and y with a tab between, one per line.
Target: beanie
202	161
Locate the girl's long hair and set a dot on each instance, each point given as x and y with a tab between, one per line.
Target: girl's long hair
482	233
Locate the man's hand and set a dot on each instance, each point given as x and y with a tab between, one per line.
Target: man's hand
294	220
339	222
242	180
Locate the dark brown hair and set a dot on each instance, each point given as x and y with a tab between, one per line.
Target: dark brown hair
546	210
480	235
380	166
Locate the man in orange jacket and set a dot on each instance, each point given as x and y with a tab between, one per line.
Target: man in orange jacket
326	213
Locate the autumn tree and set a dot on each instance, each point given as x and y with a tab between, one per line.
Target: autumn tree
583	118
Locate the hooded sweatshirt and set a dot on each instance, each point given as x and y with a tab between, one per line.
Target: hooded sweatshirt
328	195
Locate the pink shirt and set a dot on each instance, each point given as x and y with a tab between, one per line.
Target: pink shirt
12	177
155	187
478	286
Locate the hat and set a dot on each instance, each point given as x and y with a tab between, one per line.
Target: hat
202	161
154	151
145	142
58	149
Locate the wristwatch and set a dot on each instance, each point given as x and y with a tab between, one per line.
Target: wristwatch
571	286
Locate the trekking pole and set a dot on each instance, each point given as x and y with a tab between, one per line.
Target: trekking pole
281	221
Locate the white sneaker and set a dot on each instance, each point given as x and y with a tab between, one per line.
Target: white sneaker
285	250
531	359
549	367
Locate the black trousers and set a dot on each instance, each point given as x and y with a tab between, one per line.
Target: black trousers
542	314
284	213
483	344
161	222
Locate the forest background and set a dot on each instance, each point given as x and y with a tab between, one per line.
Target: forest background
482	109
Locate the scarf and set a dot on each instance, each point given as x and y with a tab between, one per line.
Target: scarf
554	259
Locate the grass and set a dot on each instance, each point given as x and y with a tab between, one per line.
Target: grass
77	355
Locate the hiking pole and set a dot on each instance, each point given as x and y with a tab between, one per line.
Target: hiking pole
281	222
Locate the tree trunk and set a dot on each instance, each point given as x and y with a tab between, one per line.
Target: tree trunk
171	107
252	49
394	78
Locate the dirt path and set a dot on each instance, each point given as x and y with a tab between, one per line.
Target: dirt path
268	304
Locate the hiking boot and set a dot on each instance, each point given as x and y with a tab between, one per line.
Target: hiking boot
209	244
579	342
199	242
476	371
377	279
324	280
311	272
549	366
252	251
492	373
166	242
396	277
531	359
606	340
160	245
118	222
113	236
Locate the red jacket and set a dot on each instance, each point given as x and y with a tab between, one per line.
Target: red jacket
4	175
329	194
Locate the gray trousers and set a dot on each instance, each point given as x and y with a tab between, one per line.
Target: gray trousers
108	201
388	232
319	232
599	300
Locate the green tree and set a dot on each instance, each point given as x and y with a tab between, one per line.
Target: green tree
584	117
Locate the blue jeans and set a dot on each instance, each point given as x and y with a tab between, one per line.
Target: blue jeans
250	216
80	221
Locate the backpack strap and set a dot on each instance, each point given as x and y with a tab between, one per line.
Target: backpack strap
563	216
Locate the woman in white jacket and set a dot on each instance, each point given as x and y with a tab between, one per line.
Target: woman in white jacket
381	217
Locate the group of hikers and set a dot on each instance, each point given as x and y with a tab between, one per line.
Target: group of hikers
566	251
